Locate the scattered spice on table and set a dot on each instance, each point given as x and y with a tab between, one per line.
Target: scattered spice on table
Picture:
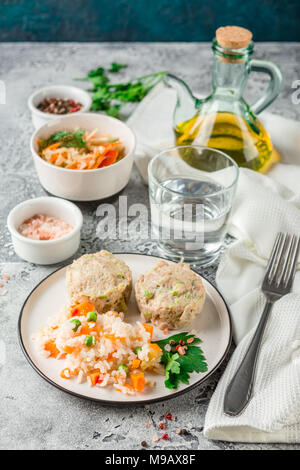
155	438
144	444
59	106
182	432
147	425
165	437
170	417
3	292
162	425
6	277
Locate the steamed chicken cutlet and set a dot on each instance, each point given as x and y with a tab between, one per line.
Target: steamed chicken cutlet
170	295
101	278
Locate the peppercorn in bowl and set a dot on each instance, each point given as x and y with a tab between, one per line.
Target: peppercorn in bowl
47	103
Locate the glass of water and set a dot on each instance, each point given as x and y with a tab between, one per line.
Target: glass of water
191	191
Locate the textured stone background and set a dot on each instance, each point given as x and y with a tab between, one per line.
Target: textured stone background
33	414
144	20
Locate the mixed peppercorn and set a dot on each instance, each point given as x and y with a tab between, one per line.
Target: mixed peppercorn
59	106
179	347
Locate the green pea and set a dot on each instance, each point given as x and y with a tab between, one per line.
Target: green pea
123	305
77	324
89	341
175	293
91	316
147	294
124	367
139	348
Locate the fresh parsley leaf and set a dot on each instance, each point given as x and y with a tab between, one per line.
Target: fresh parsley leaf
115	67
99	72
113	111
179	367
172	366
110	97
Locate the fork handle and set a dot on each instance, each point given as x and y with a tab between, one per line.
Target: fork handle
239	390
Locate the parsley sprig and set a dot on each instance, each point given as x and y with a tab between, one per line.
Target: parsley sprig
110	97
179	367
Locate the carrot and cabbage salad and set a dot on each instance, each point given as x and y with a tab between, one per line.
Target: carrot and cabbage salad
81	149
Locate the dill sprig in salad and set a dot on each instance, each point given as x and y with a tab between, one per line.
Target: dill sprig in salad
66	138
111	97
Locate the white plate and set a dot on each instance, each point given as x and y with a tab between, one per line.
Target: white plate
213	327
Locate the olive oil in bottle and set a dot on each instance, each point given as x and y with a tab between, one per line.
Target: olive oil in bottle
247	143
224	120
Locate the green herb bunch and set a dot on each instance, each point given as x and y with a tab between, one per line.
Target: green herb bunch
110	97
179	367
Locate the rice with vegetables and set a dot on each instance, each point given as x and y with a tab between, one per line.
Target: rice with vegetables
102	278
100	348
81	149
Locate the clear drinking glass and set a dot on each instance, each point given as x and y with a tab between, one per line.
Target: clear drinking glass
190	206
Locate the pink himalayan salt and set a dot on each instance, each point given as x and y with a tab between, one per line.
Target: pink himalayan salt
44	227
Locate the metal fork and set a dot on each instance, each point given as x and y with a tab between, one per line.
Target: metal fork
277	282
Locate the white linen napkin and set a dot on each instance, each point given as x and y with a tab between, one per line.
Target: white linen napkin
264	205
262	208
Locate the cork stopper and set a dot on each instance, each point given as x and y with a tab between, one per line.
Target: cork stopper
233	37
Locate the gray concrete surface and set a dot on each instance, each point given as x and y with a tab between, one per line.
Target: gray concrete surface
33	414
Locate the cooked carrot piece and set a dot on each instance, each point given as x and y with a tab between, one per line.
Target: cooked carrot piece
118	377
69	349
138	381
53	146
53	158
82	309
155	350
113	337
51	347
99	160
149	329
110	357
110	158
87	328
73	166
94	376
135	364
66	374
127	386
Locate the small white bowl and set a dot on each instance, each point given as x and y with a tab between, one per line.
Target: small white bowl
45	251
39	118
85	185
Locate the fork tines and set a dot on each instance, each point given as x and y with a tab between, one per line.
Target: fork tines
282	263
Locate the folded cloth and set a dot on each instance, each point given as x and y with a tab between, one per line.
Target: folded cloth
264	206
152	123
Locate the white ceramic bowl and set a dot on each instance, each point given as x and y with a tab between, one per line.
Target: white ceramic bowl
45	251
85	185
39	118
